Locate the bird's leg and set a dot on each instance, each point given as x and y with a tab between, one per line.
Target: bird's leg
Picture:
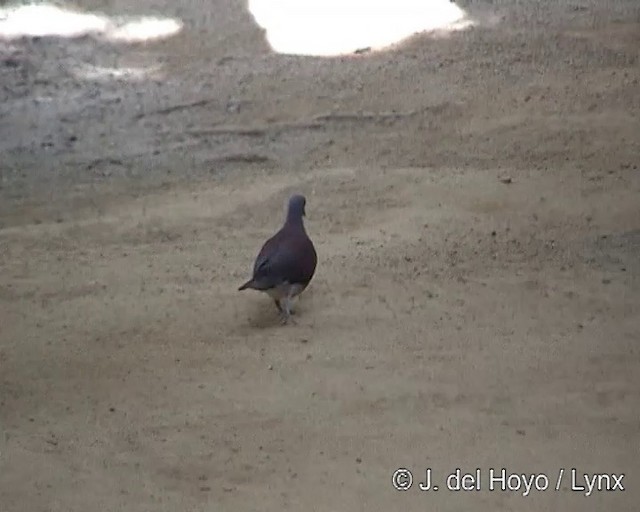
293	296
290	297
286	313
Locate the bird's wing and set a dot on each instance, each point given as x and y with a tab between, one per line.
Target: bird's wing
284	259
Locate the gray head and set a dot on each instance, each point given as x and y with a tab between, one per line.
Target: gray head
296	208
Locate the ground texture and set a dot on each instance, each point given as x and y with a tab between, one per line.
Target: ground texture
474	200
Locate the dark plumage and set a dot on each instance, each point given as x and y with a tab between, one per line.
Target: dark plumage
287	261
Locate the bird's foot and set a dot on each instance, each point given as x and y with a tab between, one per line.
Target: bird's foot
285	317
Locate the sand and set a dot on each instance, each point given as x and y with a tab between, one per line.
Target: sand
474	201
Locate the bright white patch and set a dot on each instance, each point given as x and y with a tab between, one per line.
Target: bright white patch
48	20
335	27
145	29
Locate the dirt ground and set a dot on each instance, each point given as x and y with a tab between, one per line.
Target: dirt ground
474	201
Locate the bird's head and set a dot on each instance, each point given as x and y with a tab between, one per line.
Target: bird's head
297	204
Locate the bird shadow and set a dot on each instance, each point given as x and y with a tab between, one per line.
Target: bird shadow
263	314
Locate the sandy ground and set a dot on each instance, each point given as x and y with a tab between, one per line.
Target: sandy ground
474	200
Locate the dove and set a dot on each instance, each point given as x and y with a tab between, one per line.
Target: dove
286	262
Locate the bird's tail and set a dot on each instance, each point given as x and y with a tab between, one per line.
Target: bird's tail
248	284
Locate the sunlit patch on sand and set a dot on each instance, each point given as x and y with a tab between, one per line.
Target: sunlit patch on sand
49	20
335	27
145	29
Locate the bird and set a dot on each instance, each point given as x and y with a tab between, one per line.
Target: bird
286	262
